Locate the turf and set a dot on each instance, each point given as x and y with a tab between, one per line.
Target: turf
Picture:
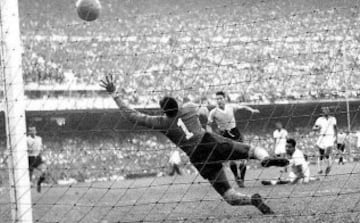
191	199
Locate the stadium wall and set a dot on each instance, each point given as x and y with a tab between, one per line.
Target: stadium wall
294	116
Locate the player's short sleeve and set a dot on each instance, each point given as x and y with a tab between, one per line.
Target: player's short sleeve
334	121
274	134
285	133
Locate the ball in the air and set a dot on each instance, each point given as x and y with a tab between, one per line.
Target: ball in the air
88	10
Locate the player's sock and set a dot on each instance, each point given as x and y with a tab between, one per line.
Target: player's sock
257	201
233	169
327	170
241	180
242	168
281	162
41	179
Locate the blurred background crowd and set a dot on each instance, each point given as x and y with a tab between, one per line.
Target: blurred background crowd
259	52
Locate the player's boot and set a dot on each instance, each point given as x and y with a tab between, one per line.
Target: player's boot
257	201
281	162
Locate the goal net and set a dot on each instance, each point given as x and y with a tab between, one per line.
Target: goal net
286	58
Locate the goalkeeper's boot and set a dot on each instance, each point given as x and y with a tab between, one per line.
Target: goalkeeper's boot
257	201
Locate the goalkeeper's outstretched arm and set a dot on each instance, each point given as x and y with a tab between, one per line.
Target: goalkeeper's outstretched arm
130	114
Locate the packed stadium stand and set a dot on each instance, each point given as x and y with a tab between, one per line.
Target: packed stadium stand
263	57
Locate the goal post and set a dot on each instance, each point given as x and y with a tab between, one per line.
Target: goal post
14	108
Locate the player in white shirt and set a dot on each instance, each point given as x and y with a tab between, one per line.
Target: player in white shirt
298	164
326	126
175	161
299	167
35	147
280	135
224	118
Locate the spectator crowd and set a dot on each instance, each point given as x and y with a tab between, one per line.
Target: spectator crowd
257	52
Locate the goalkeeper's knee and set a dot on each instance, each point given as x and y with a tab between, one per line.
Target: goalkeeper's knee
258	153
236	198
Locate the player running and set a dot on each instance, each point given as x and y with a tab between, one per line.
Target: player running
224	118
207	151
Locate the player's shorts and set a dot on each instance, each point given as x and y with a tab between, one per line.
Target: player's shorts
325	142
35	162
324	153
208	157
233	134
341	147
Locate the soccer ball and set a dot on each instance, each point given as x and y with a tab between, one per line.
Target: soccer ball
88	10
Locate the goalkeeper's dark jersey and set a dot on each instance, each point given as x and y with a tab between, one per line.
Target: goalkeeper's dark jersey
184	130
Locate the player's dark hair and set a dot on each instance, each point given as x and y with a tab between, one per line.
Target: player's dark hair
170	106
292	142
220	93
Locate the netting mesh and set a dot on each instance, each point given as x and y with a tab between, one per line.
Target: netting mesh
286	58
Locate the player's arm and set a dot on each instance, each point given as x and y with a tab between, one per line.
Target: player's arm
211	125
134	116
245	107
299	173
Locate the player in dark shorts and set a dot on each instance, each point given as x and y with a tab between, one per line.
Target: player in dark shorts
223	115
207	151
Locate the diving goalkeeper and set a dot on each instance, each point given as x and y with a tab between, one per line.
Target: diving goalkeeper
207	151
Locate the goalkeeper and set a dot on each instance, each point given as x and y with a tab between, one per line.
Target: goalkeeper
207	151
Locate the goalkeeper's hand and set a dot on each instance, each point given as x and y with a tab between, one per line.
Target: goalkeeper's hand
108	83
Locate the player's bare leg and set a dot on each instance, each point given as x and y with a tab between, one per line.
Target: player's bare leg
320	160
328	160
242	168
